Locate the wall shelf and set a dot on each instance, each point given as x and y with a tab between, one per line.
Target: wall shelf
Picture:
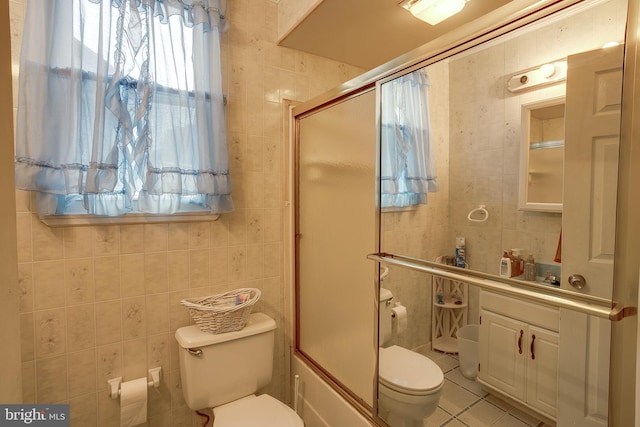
447	317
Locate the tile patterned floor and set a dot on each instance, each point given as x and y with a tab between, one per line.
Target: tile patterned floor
464	403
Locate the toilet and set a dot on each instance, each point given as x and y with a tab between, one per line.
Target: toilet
410	384
224	371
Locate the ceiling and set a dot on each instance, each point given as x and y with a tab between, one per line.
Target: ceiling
368	33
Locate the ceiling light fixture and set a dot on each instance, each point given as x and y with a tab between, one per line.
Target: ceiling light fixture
433	11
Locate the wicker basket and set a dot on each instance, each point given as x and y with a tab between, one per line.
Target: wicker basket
225	312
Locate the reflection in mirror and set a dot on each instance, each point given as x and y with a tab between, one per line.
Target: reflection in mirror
542	156
477	132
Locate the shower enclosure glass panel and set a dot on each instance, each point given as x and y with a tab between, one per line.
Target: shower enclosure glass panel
336	307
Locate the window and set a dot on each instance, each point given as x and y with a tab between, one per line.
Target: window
121	109
407	162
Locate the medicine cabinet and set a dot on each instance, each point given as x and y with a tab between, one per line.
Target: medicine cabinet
542	155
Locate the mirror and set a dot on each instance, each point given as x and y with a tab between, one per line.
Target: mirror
542	156
479	138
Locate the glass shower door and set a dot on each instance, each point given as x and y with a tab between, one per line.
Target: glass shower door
336	223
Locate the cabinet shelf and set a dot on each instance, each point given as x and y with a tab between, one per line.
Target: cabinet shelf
451	305
448	318
445	345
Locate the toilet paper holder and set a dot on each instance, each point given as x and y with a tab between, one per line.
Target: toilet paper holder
114	383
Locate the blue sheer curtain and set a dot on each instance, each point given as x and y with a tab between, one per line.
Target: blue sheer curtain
121	104
407	161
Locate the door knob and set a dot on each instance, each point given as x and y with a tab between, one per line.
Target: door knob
577	281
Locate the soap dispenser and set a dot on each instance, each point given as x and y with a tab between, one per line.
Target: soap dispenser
505	265
530	269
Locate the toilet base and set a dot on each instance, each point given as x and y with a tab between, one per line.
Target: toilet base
396	421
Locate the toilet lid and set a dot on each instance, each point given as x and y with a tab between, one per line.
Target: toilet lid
408	372
263	411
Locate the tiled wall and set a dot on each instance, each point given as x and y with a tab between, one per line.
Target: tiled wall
104	301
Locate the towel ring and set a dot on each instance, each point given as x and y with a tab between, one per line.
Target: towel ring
482	210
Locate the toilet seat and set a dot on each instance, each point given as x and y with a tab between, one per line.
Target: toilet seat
263	411
408	372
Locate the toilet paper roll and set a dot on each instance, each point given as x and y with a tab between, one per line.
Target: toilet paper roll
400	317
133	402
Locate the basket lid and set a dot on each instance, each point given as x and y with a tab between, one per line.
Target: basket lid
192	336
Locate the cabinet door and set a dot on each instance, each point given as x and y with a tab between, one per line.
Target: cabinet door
502	348
542	370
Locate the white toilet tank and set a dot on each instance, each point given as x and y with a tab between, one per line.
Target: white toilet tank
386	304
219	368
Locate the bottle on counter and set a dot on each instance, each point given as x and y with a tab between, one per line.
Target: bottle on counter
530	269
505	265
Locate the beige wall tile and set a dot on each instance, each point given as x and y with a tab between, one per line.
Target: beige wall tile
25	286
255	266
51	332
219	266
27	343
25	243
199	268
23	200
83	410
107	240
108	410
29	382
106	278
178	270
109	364
132	275
272	225
178	235
52	380
83	372
199	235
237	227
156	237
220	232
273	264
134	359
157	314
156	272
79	281
47	242
178	314
108	322
81	327
132	239
133	318
237	264
255	226
158	353
78	242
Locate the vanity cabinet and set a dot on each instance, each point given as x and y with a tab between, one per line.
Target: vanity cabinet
518	351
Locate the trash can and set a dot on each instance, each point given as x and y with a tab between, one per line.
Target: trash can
468	350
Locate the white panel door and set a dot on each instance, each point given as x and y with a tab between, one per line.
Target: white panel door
592	130
594	87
